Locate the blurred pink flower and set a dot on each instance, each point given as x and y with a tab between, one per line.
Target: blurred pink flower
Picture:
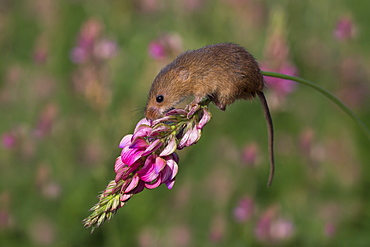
329	229
156	50
282	229
40	55
6	220
79	54
179	236
168	45
191	5
149	6
105	49
273	228
148	237
244	210
89	34
148	158
250	154
42	232
218	229
91	45
8	140
279	86
344	29
46	120
277	59
41	49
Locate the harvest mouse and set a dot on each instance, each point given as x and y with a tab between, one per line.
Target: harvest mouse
221	73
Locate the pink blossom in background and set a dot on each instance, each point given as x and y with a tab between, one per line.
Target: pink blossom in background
148	237
250	154
42	232
244	210
271	227
89	34
277	59
46	120
41	49
191	5
6	220
282	229
79	55
279	86
91	44
344	29
218	229
8	140
156	50
329	229
105	49
166	46
40	55
149	6
179	236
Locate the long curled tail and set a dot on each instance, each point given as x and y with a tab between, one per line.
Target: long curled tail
270	129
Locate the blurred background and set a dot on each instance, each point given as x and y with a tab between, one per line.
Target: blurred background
74	77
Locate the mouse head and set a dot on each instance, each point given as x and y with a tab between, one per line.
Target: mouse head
169	87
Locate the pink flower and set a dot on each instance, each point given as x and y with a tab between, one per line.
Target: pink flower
344	29
148	158
157	50
250	154
273	228
244	210
8	140
105	49
280	86
91	46
166	45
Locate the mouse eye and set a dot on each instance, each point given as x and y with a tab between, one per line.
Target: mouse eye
159	98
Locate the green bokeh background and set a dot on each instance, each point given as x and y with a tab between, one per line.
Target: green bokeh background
48	182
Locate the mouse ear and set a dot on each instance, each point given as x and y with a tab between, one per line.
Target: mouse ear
183	72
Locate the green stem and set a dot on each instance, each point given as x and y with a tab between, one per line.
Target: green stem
326	93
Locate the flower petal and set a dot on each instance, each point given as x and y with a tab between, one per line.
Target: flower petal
142	131
119	164
139	143
134	182
153	185
193	109
194	136
121	173
142	122
205	119
125	197
170	184
147	173
126	140
153	147
160	128
177	112
164	119
159	164
150	175
170	148
130	155
174	167
184	138
139	187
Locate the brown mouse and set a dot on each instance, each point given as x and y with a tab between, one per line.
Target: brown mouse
222	73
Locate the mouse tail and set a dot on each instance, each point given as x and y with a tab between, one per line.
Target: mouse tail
270	129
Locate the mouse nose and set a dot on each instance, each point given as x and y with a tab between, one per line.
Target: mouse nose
152	113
